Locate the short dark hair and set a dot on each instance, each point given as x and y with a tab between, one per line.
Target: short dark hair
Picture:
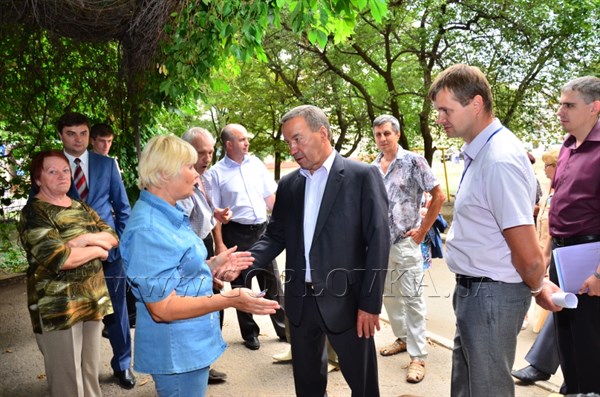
37	165
71	119
101	129
464	82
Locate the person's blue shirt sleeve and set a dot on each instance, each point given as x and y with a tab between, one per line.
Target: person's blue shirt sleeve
152	265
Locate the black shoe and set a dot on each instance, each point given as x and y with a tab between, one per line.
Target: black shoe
530	374
215	376
126	378
105	332
252	343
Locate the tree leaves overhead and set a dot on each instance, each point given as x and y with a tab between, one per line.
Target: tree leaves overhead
253	60
206	33
388	67
93	70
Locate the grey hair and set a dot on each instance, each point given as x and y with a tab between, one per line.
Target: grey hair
587	86
195	132
386	118
315	118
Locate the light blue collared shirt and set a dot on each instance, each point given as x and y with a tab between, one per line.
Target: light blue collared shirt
161	254
497	192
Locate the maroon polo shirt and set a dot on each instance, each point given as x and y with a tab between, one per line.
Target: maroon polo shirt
575	209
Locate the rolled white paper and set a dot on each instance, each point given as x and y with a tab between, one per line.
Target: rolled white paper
565	299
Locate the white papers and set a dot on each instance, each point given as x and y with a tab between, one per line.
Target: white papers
575	263
565	299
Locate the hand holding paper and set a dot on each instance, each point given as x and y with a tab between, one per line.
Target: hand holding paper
544	299
565	299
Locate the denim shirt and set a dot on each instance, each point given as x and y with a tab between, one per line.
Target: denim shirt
162	254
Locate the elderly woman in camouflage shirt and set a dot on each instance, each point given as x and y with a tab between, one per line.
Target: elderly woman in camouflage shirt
65	242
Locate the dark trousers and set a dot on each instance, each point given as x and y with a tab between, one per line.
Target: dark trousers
118	324
268	278
578	342
543	354
210	249
357	356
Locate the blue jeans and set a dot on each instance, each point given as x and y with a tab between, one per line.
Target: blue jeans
187	384
489	316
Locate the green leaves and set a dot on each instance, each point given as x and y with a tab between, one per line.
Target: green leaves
378	9
204	37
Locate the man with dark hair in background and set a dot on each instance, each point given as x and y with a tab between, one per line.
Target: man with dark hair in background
101	138
574	219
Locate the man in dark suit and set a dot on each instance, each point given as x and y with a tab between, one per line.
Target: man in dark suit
331	218
97	181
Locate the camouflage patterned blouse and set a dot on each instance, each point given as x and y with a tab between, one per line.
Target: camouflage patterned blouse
58	299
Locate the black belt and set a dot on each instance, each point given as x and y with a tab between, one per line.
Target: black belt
467	281
566	241
257	226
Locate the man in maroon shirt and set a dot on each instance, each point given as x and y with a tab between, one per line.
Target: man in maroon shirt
575	219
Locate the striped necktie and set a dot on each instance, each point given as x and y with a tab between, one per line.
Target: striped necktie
79	179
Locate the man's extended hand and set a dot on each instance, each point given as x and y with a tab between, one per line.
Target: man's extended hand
228	265
223	215
366	323
544	299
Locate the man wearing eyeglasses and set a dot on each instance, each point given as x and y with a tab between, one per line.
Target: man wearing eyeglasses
575	219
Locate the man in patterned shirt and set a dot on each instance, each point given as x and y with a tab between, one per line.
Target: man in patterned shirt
406	176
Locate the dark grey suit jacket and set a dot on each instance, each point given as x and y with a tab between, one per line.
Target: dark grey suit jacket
350	249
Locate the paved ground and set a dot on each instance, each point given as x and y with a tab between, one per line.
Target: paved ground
253	373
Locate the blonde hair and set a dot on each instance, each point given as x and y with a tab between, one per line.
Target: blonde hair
550	157
162	159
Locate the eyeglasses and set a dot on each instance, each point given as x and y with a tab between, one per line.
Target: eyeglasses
549	165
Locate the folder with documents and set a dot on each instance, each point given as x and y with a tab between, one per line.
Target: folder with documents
575	263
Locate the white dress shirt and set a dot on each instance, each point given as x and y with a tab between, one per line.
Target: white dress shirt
313	195
84	163
242	188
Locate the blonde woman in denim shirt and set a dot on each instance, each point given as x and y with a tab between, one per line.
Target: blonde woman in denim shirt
177	331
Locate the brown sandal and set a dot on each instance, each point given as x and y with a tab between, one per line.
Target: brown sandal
398	346
416	371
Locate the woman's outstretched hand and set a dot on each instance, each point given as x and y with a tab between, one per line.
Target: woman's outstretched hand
248	301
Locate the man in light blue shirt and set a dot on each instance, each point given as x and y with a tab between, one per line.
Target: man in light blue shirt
492	244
